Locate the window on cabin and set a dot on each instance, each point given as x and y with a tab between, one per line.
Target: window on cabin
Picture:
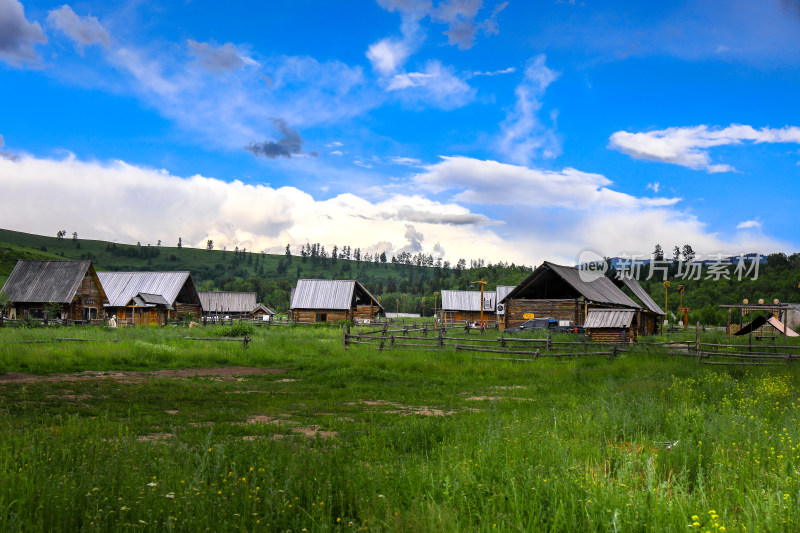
322	317
90	313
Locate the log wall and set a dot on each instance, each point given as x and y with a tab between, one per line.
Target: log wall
368	312
571	310
309	316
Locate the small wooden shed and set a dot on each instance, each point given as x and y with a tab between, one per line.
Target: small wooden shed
650	314
465	306
611	325
228	303
262	312
322	300
36	287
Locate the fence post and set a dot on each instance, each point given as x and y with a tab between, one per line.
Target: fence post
425	330
391	340
441	340
405	331
246	341
697	337
613	352
502	342
549	341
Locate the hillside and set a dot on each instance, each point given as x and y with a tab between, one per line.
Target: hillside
270	276
404	287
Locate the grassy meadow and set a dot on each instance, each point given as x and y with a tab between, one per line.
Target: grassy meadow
154	432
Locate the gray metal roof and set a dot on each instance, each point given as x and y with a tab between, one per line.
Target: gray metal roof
502	291
609	318
121	287
598	290
227	301
640	293
468	301
45	281
328	294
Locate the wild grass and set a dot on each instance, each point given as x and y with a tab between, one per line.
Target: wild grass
398	440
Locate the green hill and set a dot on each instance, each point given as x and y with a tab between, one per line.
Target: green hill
270	276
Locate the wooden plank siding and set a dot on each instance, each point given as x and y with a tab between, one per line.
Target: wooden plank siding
612	335
311	316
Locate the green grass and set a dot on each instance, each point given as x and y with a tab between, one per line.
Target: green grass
418	440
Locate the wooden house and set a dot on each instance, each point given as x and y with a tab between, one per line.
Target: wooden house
71	289
318	300
150	298
227	304
560	292
650	314
500	308
465	306
262	312
611	325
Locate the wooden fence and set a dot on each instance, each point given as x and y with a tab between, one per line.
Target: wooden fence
460	337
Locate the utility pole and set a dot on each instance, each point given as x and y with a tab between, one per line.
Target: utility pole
481	283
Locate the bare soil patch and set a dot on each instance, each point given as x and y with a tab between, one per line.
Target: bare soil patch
228	373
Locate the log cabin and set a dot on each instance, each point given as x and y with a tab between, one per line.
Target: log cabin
70	289
559	292
320	300
150	298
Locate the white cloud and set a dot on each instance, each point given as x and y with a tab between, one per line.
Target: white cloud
490	182
388	55
17	35
83	30
655	186
437	85
492	73
407	161
523	136
336	152
689	146
149	205
556	214
749	224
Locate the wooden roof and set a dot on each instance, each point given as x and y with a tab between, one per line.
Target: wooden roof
48	281
550	281
609	318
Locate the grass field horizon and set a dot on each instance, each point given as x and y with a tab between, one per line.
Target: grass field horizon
295	433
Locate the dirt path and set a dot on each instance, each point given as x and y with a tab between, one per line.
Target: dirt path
225	373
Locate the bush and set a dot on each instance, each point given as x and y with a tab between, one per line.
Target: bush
236	330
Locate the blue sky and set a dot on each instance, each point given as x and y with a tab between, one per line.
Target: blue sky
515	131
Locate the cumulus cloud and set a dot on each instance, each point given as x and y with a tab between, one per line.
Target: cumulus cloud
288	145
197	208
556	214
436	85
689	147
83	30
490	182
414	239
224	58
17	35
523	135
